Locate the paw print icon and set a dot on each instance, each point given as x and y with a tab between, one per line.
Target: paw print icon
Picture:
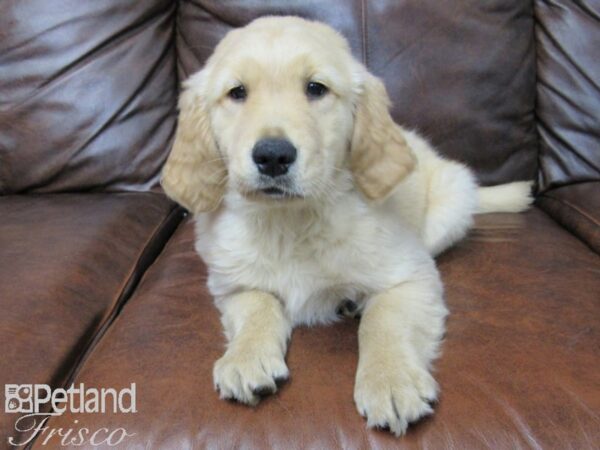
18	398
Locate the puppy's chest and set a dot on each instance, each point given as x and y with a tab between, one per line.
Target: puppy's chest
310	269
289	262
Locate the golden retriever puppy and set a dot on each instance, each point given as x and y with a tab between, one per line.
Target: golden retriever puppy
306	193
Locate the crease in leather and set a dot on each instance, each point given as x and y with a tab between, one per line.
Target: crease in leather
126	102
148	254
117	112
215	13
88	57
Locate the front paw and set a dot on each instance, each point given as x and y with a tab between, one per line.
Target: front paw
246	376
393	397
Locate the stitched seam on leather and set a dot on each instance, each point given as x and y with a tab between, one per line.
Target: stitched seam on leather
540	176
574	208
364	33
180	42
176	84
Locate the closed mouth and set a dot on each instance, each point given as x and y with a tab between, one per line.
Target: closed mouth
277	193
273	191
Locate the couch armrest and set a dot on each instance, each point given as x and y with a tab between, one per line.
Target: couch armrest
577	208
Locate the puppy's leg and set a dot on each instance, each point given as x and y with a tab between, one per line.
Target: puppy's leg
399	336
451	204
254	362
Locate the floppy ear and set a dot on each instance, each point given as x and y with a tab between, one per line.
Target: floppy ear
379	156
194	174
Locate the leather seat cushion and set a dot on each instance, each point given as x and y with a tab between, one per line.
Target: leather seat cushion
518	369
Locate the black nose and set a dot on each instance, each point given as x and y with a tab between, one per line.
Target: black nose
273	156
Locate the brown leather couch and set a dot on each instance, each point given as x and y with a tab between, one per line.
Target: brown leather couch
99	282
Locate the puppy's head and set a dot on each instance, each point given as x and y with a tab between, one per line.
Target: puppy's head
282	111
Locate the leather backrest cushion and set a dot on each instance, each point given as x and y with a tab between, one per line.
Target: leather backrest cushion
87	93
460	71
568	48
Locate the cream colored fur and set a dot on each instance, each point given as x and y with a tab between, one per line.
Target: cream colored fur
367	204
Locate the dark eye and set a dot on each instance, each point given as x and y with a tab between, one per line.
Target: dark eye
238	93
316	90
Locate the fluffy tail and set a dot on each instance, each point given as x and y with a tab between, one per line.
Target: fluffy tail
510	197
